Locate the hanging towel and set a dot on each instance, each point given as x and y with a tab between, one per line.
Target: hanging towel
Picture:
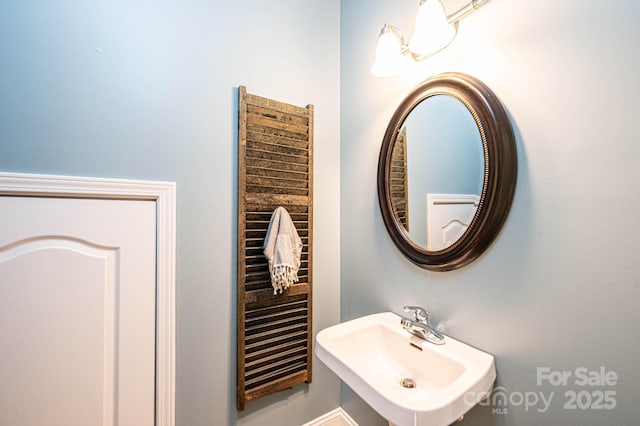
282	248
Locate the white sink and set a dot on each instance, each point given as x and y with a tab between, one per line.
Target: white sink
374	354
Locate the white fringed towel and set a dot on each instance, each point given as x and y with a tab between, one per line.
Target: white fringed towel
282	248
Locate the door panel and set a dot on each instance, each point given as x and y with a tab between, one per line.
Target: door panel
77	311
448	217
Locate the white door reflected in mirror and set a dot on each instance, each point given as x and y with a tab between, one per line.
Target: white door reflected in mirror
448	217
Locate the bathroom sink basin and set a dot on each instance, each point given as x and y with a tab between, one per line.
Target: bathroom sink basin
407	380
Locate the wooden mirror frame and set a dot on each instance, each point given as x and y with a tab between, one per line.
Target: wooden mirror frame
500	171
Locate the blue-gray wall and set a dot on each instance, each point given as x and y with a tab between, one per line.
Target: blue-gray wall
560	287
147	90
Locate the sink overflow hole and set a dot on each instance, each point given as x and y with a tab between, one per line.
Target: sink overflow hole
408	383
415	346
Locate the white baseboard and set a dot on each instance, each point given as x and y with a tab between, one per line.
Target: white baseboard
337	417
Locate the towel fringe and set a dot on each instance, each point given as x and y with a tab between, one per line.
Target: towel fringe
283	276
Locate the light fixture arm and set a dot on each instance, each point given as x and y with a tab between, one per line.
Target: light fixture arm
464	11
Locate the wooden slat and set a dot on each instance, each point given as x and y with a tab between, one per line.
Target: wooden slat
275	122
275	105
275	348
259	346
276	324
261	295
265	189
290	304
275	168
276	182
256	135
278	148
280	333
278	164
270	356
285	381
398	181
280	132
273	171
275	369
264	154
277	114
276	199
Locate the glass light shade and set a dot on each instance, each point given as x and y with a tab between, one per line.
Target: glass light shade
433	31
388	54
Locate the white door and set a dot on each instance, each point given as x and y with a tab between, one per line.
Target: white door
448	217
77	311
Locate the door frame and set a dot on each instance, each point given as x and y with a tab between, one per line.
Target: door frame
164	195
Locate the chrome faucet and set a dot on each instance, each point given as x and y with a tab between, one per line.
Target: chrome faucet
420	325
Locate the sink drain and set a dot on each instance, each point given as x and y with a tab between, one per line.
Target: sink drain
408	383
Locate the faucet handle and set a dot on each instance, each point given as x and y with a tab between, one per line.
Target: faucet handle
420	314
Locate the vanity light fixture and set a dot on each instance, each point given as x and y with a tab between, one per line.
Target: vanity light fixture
433	32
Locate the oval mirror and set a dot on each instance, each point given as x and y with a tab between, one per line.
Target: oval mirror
447	171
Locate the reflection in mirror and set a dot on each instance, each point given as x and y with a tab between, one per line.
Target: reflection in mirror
437	172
